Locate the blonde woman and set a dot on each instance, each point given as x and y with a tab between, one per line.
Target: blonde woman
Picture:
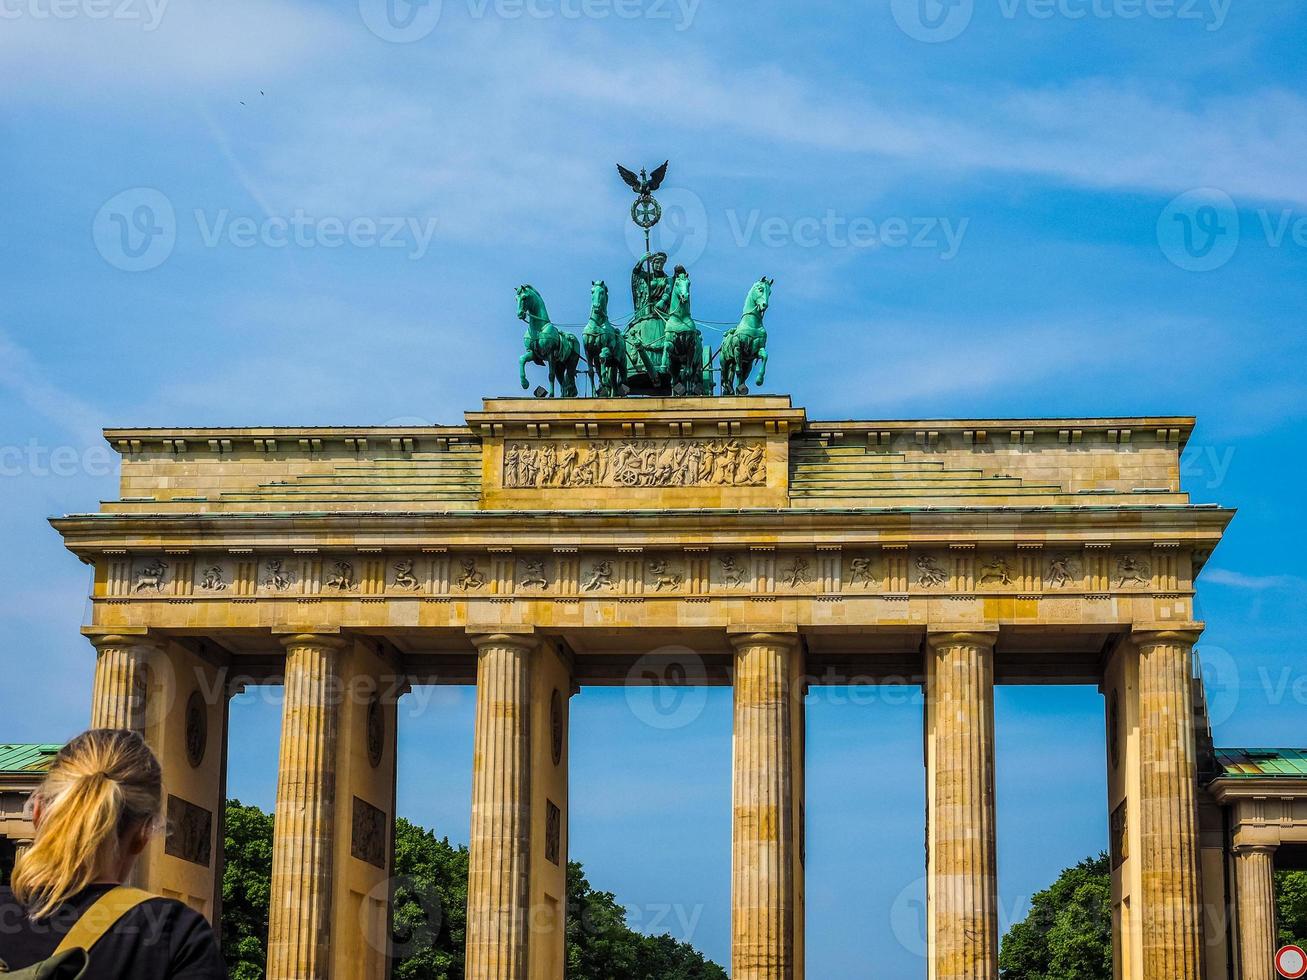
94	815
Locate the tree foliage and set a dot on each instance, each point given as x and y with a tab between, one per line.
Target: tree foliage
1068	933
430	913
245	887
1291	899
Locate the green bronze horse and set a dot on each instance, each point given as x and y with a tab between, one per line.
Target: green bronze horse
681	361
746	343
605	349
546	344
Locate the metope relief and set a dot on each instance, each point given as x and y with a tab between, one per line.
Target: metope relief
405	579
213	579
541	465
341	578
996	571
533	574
152	576
470	577
663	578
278	577
733	572
863	573
1063	572
1133	570
929	573
599	578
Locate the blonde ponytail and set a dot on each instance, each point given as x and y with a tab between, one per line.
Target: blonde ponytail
103	786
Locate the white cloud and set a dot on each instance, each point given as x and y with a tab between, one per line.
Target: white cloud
172	48
23	376
1254	583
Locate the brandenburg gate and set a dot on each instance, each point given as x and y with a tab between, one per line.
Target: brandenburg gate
547	544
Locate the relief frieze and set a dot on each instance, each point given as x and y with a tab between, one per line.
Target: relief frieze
552	464
633	573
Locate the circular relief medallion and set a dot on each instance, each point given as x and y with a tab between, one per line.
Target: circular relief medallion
556	725
1114	724
197	729
376	733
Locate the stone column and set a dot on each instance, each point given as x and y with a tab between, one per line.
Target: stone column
21	847
961	858
766	886
1171	911
1255	868
499	859
299	934
118	698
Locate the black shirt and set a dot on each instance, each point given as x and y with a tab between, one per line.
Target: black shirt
160	939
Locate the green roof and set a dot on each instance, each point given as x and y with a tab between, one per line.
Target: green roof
1263	763
27	757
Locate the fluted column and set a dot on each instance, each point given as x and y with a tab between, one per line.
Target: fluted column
119	696
499	858
21	847
962	864
1171	913
767	912
299	935
1255	869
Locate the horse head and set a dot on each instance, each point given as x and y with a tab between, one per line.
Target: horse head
759	297
599	300
681	292
531	306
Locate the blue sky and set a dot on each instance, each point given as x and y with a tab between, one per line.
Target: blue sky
296	212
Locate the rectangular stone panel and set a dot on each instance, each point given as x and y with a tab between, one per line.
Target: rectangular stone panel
190	832
368	834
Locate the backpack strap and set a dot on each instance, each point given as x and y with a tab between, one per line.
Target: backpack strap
101	917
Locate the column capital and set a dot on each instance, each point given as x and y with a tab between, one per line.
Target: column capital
524	640
130	636
1256	848
1164	634
786	638
978	636
309	638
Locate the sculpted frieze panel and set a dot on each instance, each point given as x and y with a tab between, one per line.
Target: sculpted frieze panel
553	464
635	573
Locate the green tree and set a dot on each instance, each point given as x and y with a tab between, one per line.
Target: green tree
601	946
1291	898
430	905
430	913
245	885
1068	933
